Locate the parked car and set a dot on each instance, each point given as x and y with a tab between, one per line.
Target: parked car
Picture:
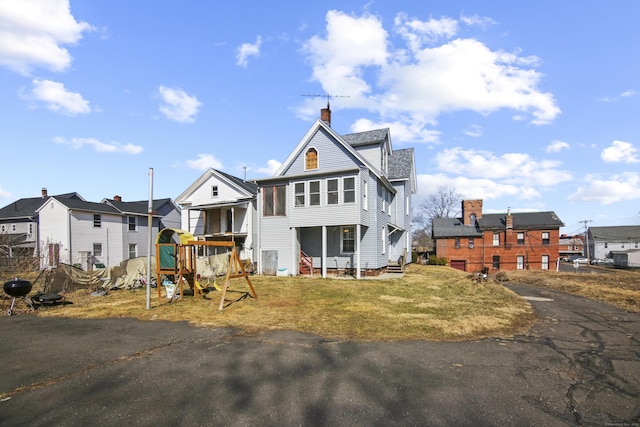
580	260
602	261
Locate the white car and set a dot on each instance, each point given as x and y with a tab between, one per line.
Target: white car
580	260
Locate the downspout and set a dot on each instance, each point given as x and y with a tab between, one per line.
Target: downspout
358	237
69	235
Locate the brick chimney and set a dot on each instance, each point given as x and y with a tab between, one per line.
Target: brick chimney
44	192
117	198
471	211
509	220
325	115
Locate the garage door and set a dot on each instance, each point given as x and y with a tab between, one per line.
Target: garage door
459	264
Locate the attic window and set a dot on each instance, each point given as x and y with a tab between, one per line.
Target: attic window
311	159
214	191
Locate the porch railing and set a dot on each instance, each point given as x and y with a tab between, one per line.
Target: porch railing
306	264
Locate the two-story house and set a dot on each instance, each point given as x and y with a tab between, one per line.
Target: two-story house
338	203
19	225
603	241
135	214
511	241
74	231
221	207
570	246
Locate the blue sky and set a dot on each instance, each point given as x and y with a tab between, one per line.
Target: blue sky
527	105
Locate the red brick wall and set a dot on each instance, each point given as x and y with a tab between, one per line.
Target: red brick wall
531	248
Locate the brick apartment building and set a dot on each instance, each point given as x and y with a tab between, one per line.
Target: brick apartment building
505	241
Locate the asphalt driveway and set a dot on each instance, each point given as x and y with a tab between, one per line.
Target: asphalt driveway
580	365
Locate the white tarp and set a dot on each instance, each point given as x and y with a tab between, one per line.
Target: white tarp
130	274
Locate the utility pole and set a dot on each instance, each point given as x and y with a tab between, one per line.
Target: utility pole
586	236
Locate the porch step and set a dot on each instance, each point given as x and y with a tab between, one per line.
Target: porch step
394	268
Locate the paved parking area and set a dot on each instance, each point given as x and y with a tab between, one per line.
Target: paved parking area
578	366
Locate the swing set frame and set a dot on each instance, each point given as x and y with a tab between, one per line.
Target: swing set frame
184	265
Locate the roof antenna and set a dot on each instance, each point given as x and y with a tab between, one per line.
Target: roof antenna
326	95
325	113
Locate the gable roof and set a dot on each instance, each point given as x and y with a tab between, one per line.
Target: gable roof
140	207
27	208
402	167
521	221
362	136
242	186
454	227
82	205
369	137
618	233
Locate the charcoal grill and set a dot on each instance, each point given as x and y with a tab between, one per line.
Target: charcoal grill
18	288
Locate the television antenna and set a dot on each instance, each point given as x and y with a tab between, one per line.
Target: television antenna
326	95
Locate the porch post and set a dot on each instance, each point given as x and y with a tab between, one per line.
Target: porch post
296	251
324	252
358	237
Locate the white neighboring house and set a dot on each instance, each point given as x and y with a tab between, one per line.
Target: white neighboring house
19	225
85	234
603	241
165	214
221	207
79	233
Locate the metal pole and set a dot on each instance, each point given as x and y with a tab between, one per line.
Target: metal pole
150	235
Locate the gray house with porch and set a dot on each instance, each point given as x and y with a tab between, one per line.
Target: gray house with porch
339	204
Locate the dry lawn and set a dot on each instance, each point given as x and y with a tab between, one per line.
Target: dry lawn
620	288
428	303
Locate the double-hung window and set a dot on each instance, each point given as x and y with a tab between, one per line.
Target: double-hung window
97	220
521	238
299	194
349	190
348	239
545	237
545	262
496	239
332	191
314	193
132	223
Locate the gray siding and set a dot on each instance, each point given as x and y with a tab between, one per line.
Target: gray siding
331	156
275	235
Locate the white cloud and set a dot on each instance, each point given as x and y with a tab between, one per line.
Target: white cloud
474	131
4	193
203	162
620	152
33	32
617	188
57	98
178	105
472	188
270	169
403	131
557	146
515	168
417	33
419	82
350	44
476	20
247	50
99	146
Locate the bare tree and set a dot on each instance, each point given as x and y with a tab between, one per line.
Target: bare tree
444	203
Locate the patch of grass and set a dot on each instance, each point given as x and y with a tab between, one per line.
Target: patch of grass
428	303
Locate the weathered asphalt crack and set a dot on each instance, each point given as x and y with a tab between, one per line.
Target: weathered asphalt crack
136	355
